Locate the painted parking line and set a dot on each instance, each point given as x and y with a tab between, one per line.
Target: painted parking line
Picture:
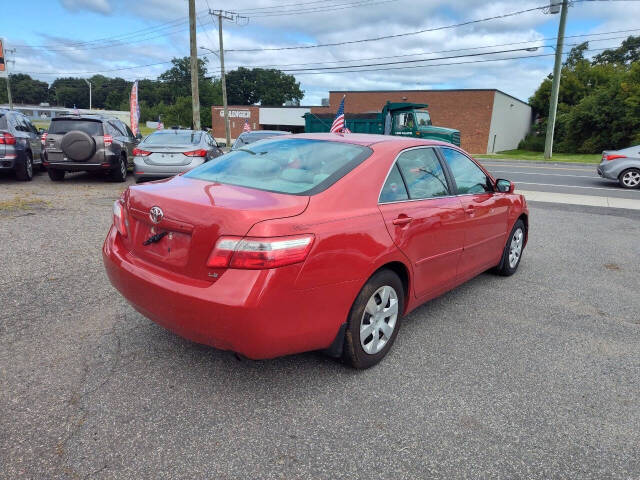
548	174
568	186
538	167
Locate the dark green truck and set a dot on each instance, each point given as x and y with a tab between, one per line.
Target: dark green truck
403	119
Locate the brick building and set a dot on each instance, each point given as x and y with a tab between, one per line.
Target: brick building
489	120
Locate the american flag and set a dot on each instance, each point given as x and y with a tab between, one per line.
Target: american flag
247	127
160	125
338	124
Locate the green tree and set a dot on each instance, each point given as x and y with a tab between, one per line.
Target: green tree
24	89
628	52
265	86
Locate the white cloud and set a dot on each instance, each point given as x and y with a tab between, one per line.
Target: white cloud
100	6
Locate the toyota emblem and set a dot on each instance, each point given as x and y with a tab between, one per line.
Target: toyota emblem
156	214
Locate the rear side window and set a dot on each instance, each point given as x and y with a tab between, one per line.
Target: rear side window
3	123
296	166
394	189
423	173
469	178
63	126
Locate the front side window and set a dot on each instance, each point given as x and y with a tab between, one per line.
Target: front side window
423	173
404	121
469	178
394	189
289	165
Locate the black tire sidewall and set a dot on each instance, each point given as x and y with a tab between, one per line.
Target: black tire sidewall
116	173
505	269
55	174
22	172
353	351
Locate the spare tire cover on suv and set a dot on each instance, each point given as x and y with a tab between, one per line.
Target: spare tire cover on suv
78	146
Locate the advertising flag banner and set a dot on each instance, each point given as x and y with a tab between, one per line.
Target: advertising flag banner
134	108
1	55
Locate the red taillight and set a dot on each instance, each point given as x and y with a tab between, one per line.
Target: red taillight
43	139
613	157
140	153
108	140
7	139
259	253
120	218
196	153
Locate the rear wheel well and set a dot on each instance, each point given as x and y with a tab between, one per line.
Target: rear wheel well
401	270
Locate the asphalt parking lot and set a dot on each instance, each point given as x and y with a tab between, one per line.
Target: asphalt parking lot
533	376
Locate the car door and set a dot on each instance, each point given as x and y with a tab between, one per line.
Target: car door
425	221
486	214
34	139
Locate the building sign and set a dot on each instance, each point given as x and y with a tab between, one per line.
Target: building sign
237	113
1	56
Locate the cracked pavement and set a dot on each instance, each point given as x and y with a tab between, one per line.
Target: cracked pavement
533	376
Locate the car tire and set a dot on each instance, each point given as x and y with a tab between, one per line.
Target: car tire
512	253
24	170
630	178
55	174
119	173
374	320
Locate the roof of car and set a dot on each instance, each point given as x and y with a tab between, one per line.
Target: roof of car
369	139
83	116
261	132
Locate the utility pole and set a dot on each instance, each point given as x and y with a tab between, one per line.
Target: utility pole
195	94
223	16
555	85
6	63
89	83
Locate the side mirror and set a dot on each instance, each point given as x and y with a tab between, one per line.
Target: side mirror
505	186
138	136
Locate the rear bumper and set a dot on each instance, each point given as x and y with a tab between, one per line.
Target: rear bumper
257	313
611	169
143	170
10	157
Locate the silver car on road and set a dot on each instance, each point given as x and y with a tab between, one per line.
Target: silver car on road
168	152
621	165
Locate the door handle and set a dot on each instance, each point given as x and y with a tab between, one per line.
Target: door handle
402	220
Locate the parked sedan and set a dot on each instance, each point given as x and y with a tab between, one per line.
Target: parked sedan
311	242
168	152
247	138
621	165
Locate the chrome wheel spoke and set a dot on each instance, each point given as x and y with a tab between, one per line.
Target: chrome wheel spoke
387	330
392	309
366	330
372	307
384	296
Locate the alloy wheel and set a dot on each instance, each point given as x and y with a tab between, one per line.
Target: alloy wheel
29	167
379	319
515	249
631	179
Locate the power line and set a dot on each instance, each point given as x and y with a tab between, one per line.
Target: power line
447	51
318	9
397	35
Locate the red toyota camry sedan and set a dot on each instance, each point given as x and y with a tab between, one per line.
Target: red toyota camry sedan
311	242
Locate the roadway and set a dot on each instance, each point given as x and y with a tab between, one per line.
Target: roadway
563	178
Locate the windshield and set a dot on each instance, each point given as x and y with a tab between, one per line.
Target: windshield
423	119
246	139
62	126
177	137
290	165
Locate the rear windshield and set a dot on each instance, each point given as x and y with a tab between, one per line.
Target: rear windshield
297	166
3	122
62	126
243	140
173	138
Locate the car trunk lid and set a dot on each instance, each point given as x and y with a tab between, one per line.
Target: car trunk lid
168	155
195	213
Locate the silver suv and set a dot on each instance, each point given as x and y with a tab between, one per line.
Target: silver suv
88	143
19	144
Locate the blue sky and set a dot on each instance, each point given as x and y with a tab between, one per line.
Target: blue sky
54	39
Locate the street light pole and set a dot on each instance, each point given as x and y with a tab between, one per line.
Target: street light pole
89	83
555	85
